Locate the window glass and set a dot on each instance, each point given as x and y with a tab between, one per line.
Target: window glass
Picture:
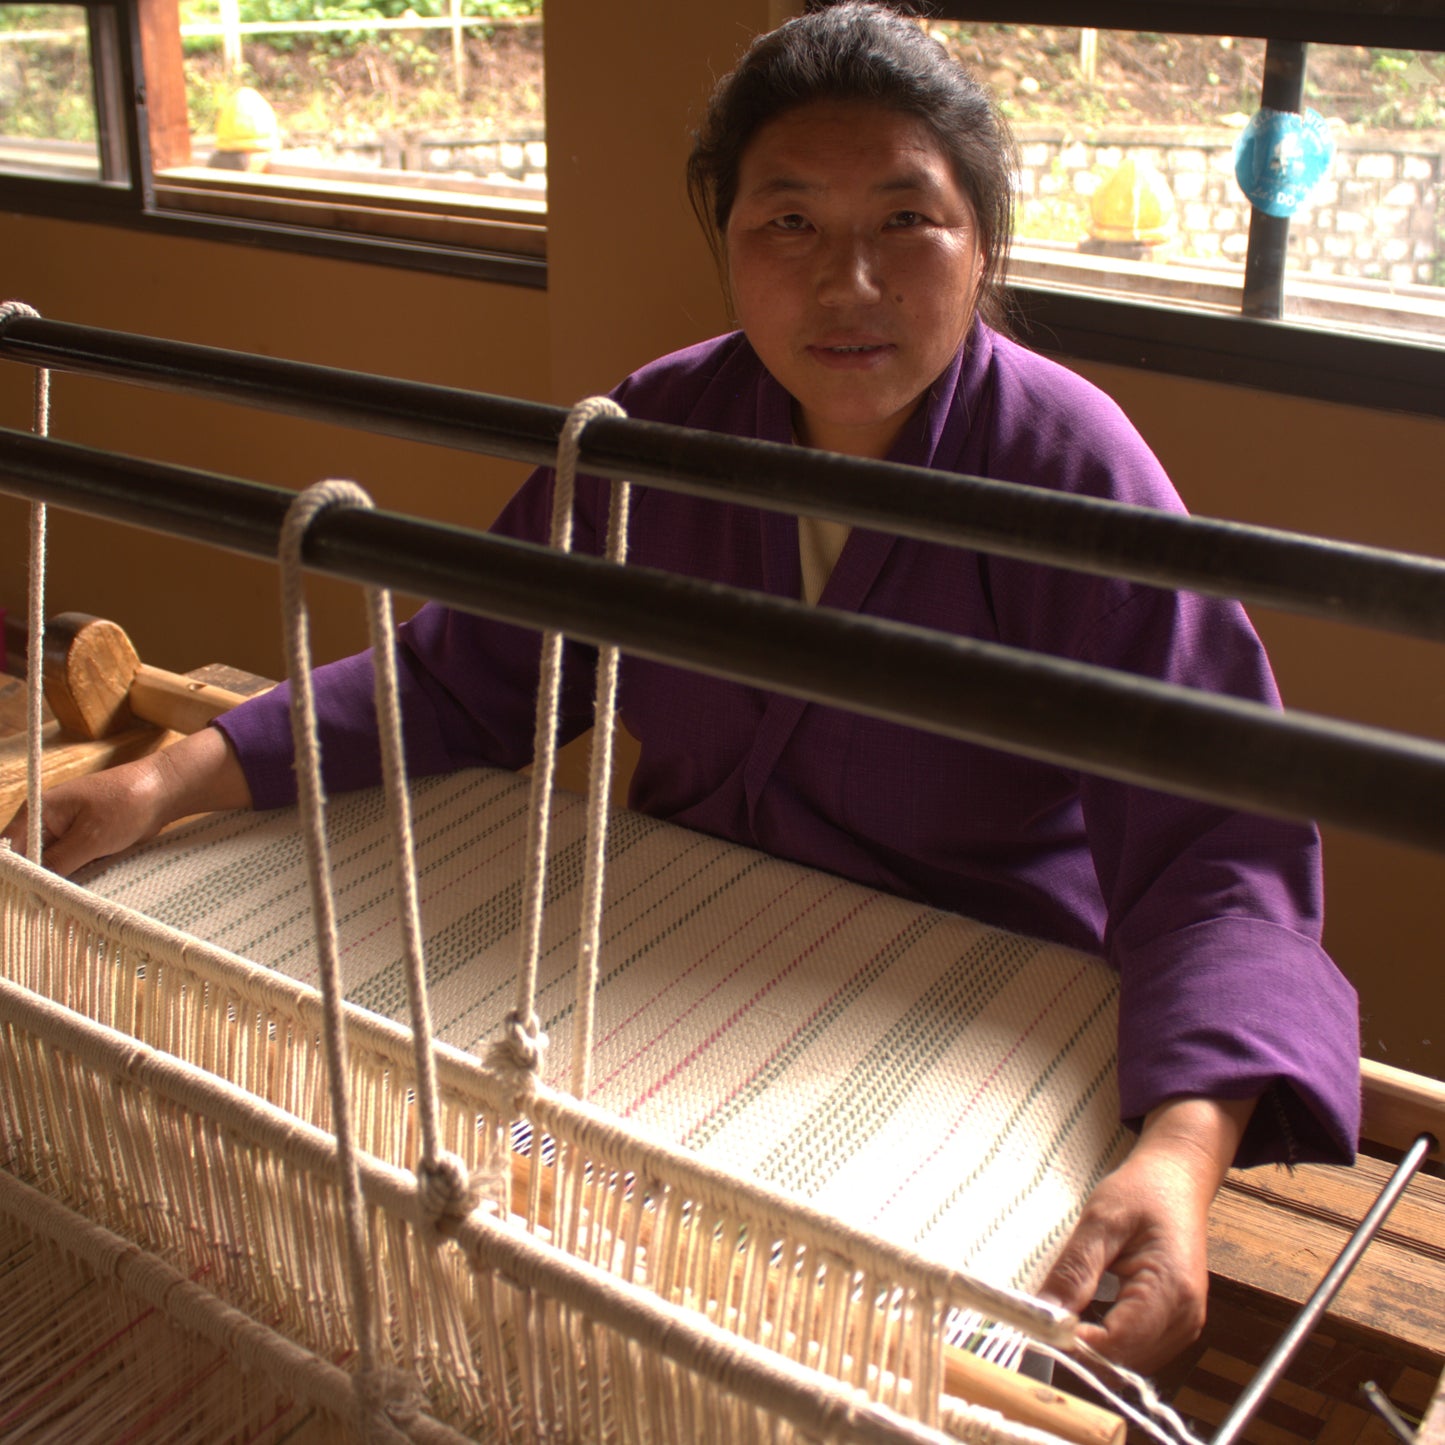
434	105
47	94
1369	246
1128	170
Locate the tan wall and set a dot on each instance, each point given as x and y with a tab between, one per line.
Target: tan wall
185	605
629	278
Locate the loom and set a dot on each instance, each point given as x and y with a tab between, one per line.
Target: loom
793	1321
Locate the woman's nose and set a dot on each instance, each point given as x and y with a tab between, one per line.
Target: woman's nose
847	272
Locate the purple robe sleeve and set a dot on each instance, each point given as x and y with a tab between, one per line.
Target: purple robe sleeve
1212	916
1214	925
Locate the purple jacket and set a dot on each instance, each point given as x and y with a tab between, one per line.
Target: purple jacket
1212	917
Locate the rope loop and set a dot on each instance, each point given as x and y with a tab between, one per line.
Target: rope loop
11	309
303	511
544	736
308	506
569	447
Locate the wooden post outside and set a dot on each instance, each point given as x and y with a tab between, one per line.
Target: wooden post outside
165	83
459	49
231	37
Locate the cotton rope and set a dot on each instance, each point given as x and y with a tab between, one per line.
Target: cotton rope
523	1041
372	1388
35	631
604	733
448	1187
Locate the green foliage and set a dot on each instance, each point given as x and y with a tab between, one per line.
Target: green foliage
47	82
41	17
1409	90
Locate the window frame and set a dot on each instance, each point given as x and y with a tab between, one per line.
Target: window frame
1251	348
136	120
1269	354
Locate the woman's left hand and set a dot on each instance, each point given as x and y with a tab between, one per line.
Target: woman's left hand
1147	1222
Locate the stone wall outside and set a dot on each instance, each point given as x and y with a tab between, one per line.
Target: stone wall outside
1378	214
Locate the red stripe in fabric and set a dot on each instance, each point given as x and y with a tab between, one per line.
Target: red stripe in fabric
426	897
163	1407
980	1091
805	1025
741	925
90	1355
737	1013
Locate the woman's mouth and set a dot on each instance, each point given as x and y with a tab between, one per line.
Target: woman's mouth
850	354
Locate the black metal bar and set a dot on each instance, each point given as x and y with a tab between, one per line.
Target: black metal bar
1241	754
1313	1309
1387	374
1259	565
1264	262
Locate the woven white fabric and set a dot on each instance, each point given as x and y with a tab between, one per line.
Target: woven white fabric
938	1082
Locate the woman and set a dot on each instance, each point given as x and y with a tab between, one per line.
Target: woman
857	187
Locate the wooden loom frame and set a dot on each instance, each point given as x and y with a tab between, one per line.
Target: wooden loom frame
1430	613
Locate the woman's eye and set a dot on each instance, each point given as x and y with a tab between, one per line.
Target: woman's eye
904	219
791	222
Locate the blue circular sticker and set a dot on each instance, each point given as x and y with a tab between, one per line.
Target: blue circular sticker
1281	157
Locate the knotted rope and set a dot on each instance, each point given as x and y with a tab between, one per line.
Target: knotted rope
376	1389
518	1051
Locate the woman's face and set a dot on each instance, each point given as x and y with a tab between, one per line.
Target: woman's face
853	260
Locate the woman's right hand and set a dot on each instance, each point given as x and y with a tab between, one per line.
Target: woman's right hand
91	817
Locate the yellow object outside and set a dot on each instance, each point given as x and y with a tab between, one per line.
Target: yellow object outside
1134	204
246	122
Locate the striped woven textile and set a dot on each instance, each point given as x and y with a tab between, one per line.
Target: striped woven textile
943	1084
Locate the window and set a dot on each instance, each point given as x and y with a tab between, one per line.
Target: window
1135	241
1128	184
420	132
50	126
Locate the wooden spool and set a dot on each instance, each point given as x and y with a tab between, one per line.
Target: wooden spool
97	686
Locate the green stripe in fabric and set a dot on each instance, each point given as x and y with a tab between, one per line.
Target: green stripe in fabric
879	1084
1043	1248
478	932
272	872
357	892
796	1047
622	963
1023	1114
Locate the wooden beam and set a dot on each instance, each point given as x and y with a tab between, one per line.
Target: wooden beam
1274	1232
165	83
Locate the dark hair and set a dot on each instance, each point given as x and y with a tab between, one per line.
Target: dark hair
864	52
